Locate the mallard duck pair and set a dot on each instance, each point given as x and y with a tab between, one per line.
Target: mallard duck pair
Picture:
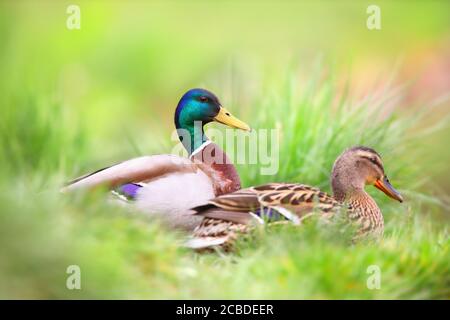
204	193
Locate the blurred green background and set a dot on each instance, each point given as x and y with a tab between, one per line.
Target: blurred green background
75	100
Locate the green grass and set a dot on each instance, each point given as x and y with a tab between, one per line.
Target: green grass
123	255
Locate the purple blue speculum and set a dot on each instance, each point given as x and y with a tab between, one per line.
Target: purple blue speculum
129	190
269	214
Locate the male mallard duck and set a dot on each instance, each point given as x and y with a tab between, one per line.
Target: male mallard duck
168	185
228	215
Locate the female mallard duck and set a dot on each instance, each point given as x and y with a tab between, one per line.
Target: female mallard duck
228	215
167	185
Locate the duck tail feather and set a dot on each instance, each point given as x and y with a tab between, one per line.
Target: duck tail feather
206	242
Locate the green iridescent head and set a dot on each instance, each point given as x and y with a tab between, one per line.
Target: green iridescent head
196	108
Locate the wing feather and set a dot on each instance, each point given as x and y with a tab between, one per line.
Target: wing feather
297	199
135	170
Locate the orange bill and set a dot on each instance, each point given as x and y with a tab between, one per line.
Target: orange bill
385	186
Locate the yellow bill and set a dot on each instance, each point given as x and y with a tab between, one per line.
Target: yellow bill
225	117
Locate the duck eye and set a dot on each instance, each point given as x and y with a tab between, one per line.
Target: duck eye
203	99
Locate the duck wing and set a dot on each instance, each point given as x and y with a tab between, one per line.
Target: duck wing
227	216
274	201
132	171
